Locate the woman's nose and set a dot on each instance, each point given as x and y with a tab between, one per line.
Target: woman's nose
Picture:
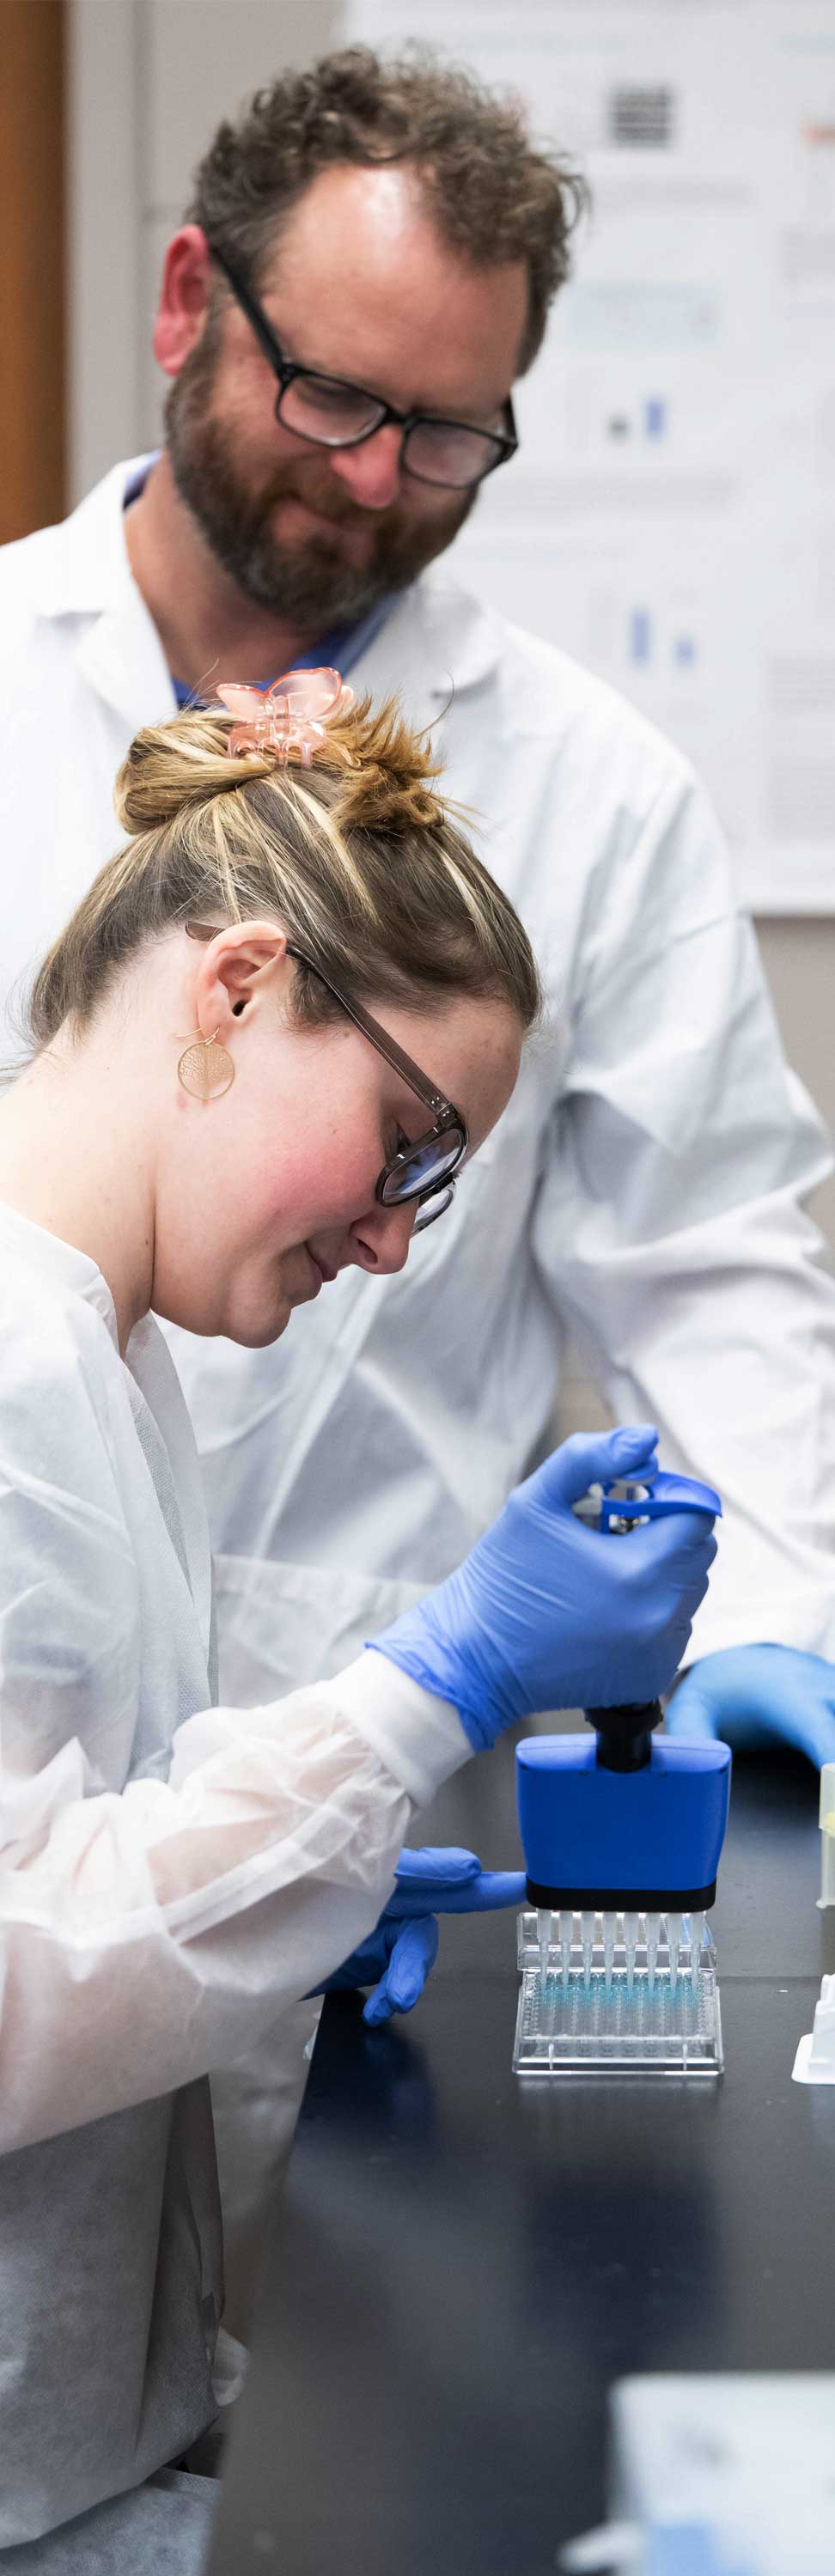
371	472
381	1239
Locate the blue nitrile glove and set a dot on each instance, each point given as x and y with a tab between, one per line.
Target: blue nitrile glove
403	1946
545	1613
748	1695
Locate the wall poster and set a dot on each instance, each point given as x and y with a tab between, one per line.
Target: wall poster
670	519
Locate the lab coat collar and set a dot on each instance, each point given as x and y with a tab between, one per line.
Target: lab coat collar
437	643
84	573
84	568
437	639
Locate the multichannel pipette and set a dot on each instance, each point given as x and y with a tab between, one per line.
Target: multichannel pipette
622	1837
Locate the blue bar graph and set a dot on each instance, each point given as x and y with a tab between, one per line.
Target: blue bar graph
640	635
655	417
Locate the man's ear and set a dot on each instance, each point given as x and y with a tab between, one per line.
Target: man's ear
183	299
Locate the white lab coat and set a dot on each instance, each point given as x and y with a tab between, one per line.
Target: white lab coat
171	1875
644	1186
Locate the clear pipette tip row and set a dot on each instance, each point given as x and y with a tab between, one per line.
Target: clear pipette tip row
611	1947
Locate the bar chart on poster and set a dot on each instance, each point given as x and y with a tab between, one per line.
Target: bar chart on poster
670	518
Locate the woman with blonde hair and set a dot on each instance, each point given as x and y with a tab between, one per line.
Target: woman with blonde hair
266	1040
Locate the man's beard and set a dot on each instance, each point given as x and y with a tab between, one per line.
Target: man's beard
311	582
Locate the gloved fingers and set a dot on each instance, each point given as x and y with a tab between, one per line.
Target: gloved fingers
485	1894
369	1960
811	1729
424	1886
436	1865
676	1534
753	1696
596	1458
692	1712
815	1737
414	1954
745	1730
685	1541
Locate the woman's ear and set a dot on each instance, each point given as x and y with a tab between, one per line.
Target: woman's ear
246	960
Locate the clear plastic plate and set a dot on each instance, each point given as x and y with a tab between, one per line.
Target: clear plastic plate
606	2006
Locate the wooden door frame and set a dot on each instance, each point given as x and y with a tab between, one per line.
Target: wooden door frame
32	265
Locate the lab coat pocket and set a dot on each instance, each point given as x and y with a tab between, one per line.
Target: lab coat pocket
280	1625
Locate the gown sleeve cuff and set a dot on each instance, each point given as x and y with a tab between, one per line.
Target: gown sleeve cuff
416	1736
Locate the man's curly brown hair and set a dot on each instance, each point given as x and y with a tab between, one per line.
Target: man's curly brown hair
493	194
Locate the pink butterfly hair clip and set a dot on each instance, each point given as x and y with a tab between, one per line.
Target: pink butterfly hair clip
292	716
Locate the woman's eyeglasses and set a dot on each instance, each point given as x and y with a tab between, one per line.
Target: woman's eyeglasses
424	1170
454	453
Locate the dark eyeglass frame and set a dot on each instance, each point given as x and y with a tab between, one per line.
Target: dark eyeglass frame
505	441
447	1119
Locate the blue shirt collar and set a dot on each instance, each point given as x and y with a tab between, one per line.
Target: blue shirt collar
336	651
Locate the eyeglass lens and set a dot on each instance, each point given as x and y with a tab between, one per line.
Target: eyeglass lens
335	415
433	1206
426	1169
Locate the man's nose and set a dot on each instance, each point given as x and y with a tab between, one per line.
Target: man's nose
371	473
381	1239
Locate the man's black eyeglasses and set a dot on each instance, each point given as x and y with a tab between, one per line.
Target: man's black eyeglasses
423	1170
329	413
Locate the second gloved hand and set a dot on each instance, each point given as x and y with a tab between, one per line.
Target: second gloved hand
545	1613
751	1696
402	1949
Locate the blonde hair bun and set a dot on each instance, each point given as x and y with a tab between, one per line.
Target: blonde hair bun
386	770
360	858
173	766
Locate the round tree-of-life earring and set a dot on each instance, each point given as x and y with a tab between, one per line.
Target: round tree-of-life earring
205	1069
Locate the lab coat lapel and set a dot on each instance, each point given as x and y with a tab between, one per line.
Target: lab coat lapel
437	644
86	575
122	659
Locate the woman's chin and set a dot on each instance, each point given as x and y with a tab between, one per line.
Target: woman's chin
256	1333
253	1322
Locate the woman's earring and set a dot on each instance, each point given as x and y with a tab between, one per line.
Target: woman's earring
206	1070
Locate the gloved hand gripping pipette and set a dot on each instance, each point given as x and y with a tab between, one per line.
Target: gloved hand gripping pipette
539	1615
625	1827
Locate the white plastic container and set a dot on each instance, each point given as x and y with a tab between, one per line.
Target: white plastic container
826	1818
815	2060
717	2476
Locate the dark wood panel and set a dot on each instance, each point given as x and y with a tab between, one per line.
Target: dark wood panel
32	264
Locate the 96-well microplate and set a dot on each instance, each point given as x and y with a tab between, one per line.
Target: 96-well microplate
610	2001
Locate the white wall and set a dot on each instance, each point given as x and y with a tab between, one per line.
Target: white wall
149	81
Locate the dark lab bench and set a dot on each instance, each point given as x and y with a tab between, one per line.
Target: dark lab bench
462	2264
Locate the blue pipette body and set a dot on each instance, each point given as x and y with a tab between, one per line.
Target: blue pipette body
627	1821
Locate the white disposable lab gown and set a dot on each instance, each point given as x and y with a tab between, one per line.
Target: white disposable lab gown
171	1875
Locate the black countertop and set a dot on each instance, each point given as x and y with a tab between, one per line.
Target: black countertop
461	2264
